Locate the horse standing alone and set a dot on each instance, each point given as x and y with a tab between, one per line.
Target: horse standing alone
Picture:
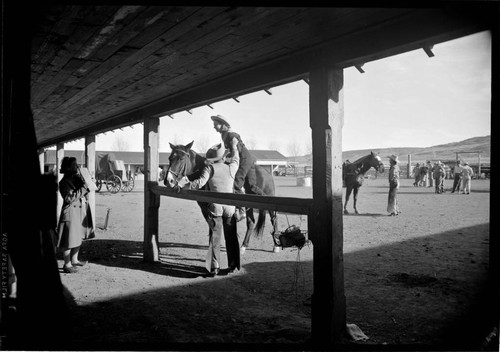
183	161
353	175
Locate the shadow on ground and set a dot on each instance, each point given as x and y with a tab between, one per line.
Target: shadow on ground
411	295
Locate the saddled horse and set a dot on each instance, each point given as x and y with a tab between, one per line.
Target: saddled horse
186	162
353	175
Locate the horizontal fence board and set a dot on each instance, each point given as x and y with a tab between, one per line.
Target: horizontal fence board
282	204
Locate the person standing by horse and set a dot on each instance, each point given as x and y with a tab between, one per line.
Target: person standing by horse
393	206
219	177
245	176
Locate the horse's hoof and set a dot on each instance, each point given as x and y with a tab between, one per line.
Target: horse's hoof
242	250
346	212
356	212
276	249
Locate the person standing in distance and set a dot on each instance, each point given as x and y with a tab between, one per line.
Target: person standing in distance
233	142
457	178
467	173
393	206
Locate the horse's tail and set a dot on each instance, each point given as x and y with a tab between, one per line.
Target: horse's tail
259	227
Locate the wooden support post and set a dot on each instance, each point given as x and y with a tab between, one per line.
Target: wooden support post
90	165
59	157
151	200
408	167
41	159
326	108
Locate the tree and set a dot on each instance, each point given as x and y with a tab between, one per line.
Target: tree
294	149
120	144
273	145
202	144
250	143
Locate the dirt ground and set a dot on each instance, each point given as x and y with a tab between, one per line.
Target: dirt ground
418	279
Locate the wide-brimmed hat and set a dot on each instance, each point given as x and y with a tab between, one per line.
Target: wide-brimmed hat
466	163
215	153
220	119
394	158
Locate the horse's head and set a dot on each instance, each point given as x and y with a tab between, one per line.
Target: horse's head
376	163
182	162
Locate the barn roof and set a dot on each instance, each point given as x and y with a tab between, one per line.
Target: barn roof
98	68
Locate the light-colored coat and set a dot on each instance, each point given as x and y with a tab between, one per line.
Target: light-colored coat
73	222
220	178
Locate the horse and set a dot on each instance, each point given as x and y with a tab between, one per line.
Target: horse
353	175
183	161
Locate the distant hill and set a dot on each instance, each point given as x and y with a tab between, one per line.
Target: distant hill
443	152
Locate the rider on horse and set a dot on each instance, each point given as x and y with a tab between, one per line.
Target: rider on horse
246	169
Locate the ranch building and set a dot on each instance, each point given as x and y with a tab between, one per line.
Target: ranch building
271	160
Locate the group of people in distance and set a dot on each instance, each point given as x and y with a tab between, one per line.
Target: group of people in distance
433	176
434	173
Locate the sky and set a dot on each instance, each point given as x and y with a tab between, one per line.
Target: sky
407	100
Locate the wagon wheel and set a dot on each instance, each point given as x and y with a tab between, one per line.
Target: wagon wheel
98	183
114	184
128	185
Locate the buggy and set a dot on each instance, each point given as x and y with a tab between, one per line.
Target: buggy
112	173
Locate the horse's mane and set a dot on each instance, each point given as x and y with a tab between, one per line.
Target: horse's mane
199	164
358	165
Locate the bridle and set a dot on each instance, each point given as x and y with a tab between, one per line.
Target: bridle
183	169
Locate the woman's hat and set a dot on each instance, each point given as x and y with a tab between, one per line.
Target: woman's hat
394	158
220	119
215	153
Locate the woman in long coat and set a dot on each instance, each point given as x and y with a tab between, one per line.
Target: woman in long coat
74	223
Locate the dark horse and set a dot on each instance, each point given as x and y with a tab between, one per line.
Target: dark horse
353	175
186	162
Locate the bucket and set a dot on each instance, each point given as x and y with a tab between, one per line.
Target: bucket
304	181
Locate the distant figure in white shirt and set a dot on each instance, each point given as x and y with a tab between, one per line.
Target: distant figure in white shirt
467	173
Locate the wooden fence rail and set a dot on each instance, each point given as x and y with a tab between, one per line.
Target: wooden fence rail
282	204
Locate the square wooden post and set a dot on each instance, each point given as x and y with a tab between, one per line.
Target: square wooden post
90	165
41	159
59	157
325	223
151	200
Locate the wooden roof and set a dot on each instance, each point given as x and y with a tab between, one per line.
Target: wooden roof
137	158
97	68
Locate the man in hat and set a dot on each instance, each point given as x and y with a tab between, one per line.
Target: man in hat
220	178
457	177
393	206
439	174
233	142
467	173
416	174
429	174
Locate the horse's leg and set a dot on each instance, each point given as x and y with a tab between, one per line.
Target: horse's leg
250	229
274	223
347	195
355	199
